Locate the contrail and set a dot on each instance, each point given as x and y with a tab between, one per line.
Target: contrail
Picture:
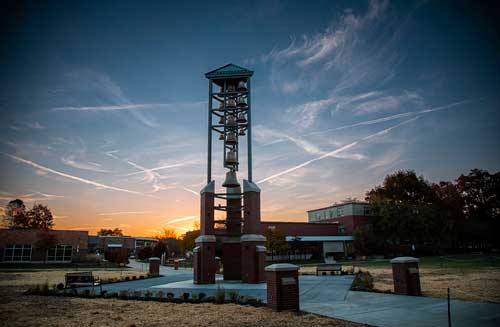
123	213
181	219
335	152
133	106
155	169
397	116
384	119
75	178
190	191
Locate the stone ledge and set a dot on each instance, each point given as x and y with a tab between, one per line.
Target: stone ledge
404	260
282	267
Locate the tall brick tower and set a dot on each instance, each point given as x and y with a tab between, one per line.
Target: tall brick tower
243	251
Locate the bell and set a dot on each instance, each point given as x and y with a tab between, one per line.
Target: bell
241	118
242	132
221	105
221	92
242	86
230	88
231	103
231	180
231	121
242	102
231	139
221	120
221	137
231	158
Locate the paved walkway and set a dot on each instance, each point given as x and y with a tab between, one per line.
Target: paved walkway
330	296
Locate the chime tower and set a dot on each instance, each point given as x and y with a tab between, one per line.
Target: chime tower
243	251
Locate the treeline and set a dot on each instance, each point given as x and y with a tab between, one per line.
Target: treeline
416	215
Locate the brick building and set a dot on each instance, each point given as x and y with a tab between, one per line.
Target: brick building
51	246
347	215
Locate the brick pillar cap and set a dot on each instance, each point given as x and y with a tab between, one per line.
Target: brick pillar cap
209	188
205	239
260	248
253	238
250	186
154	259
282	267
404	260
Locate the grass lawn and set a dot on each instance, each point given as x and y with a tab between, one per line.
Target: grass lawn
470	277
19	310
54	276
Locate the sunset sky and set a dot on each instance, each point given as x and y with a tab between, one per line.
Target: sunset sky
103	104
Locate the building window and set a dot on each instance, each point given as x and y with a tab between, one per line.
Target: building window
341	212
60	253
341	228
17	252
367	211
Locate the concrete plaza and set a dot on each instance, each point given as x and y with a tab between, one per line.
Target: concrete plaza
330	296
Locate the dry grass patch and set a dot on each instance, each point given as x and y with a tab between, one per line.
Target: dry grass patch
17	310
57	276
475	284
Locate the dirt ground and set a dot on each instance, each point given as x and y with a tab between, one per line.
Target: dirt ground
19	310
473	284
13	278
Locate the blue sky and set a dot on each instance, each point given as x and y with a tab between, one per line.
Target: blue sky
103	104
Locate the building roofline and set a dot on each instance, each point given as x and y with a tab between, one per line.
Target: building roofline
294	222
339	205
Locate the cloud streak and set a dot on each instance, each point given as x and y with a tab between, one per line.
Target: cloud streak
71	177
178	220
131	106
118	213
334	152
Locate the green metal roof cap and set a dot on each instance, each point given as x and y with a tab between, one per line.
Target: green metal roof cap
228	70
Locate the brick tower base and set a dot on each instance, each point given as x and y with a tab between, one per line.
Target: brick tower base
204	260
253	257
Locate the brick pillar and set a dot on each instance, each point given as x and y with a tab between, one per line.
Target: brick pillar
283	287
204	260
204	252
154	266
231	257
251	258
207	209
251	214
406	276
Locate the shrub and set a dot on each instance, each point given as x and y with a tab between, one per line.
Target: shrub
220	295
233	296
137	294
160	295
86	293
44	289
170	296
123	294
363	281
201	296
148	295
185	296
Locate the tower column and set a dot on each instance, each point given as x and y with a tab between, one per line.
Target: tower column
253	250
204	251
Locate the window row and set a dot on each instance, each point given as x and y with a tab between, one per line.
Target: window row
23	252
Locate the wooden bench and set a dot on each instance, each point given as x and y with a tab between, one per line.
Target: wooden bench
333	268
82	278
